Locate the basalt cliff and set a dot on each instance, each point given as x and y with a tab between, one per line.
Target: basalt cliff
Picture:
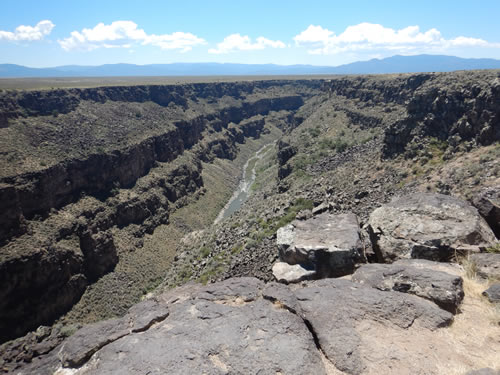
368	205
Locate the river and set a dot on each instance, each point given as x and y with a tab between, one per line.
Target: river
242	193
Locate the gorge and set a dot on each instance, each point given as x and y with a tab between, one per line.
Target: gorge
110	195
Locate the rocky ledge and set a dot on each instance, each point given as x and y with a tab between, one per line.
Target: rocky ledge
418	226
242	325
379	319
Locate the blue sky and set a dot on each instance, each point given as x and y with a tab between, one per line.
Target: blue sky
88	32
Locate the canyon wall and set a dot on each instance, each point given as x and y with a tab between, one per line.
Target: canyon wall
87	174
59	221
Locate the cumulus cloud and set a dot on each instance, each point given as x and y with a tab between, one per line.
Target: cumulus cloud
28	33
237	42
370	36
124	34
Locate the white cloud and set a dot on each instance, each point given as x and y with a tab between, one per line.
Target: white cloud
237	42
369	36
124	34
28	33
314	34
177	40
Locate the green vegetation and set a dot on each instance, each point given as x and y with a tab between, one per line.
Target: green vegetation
436	149
494	249
268	228
68	330
314	132
214	267
185	274
204	252
337	144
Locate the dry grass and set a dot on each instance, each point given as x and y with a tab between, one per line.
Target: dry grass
475	333
470	267
472	342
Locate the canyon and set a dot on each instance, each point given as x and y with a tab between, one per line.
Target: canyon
110	195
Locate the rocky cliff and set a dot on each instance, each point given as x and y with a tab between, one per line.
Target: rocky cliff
60	214
97	184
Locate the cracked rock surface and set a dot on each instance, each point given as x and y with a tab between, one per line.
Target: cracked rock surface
443	289
330	244
243	325
428	225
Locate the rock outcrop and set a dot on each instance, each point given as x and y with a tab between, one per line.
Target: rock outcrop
329	244
429	226
253	328
467	110
444	289
488	205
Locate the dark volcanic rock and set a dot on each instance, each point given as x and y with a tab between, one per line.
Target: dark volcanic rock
82	345
223	328
335	307
37	287
442	288
430	226
285	152
487	265
469	109
331	244
493	293
99	252
242	326
488	205
11	220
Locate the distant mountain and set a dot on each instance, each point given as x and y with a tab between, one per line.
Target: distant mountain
416	64
175	69
394	64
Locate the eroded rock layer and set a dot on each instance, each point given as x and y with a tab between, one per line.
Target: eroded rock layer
90	176
99	165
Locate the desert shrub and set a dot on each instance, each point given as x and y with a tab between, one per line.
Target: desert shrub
314	132
204	252
341	145
494	249
327	144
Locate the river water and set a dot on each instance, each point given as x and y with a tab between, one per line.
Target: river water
242	193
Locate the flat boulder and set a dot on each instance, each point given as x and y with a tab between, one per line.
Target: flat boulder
243	326
292	273
451	268
223	328
442	288
428	225
330	244
344	315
